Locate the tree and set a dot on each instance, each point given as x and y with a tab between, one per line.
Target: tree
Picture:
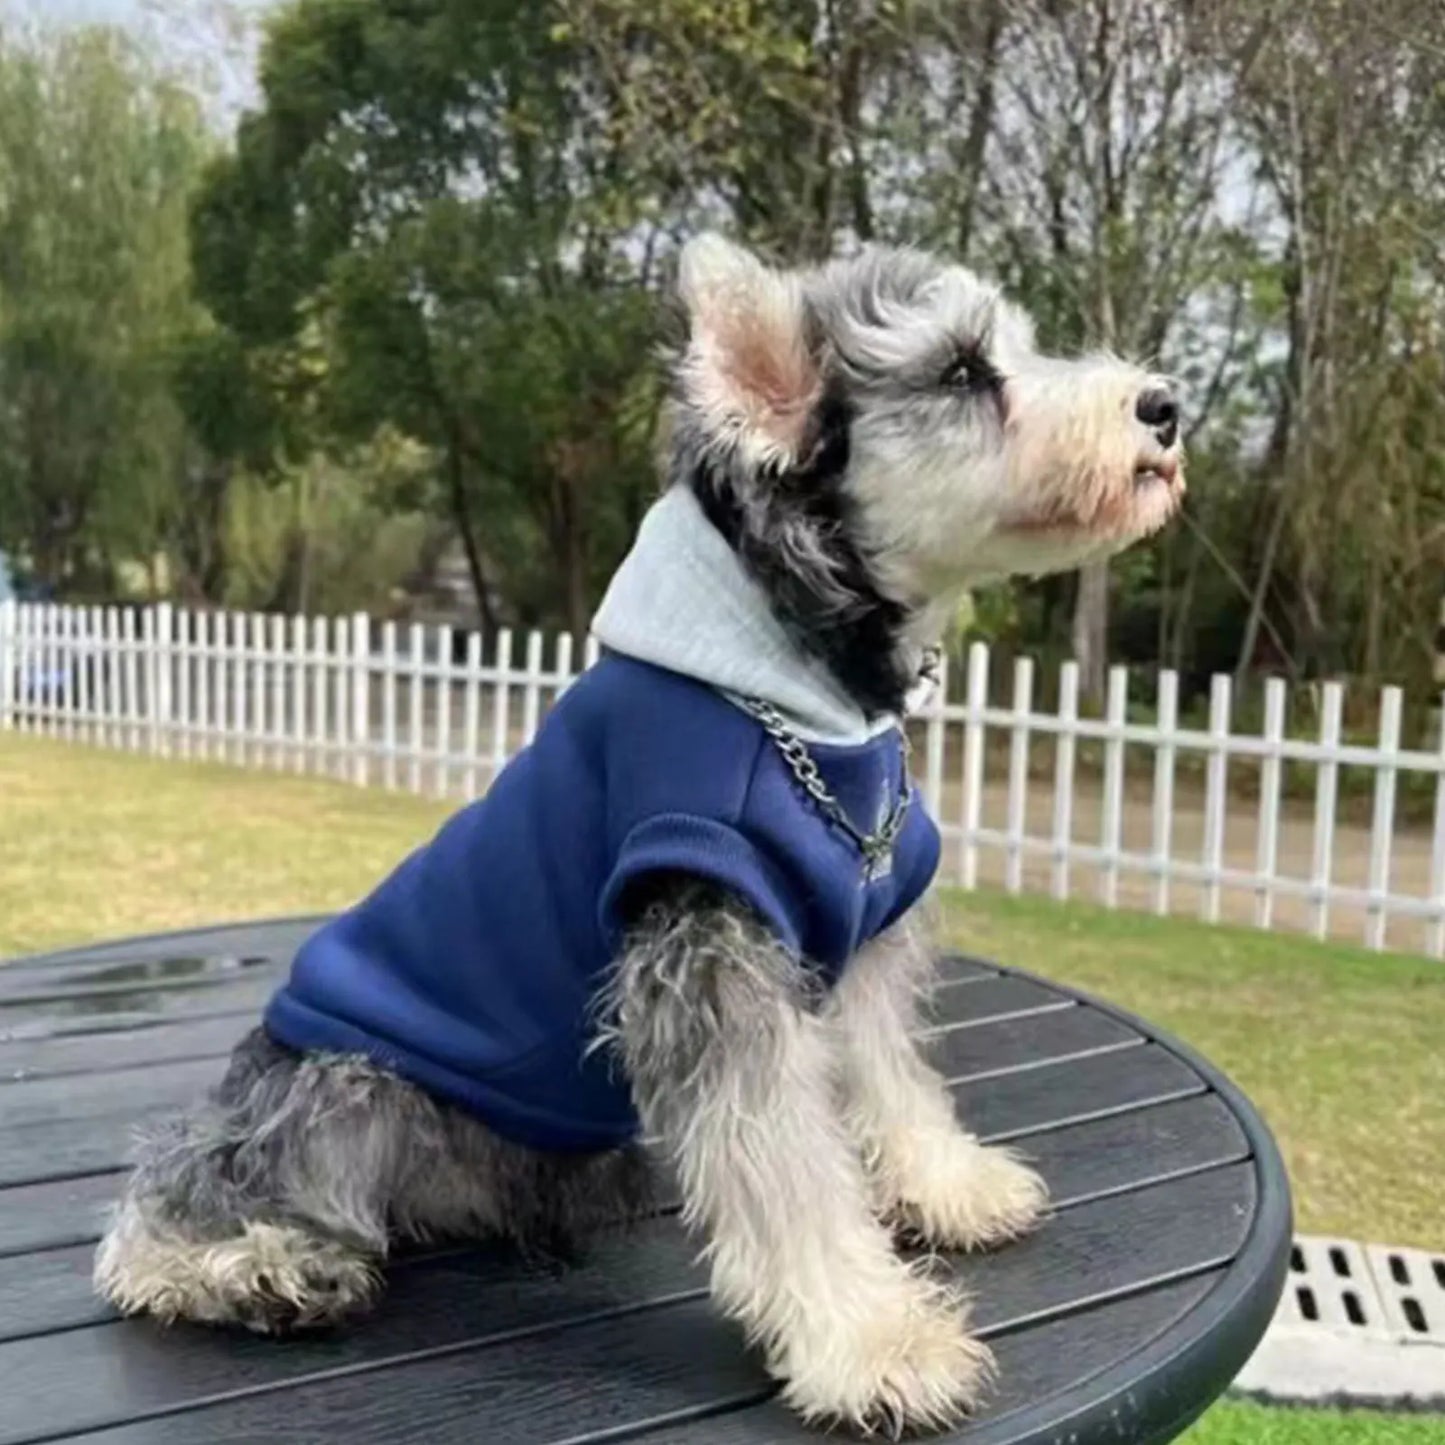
1097	190
436	189
1348	517
97	158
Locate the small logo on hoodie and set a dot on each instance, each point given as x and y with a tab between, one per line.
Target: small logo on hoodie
880	865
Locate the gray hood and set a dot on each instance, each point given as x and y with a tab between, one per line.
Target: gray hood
682	599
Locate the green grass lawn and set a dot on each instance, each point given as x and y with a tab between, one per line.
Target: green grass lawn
95	844
1340	1048
1239	1423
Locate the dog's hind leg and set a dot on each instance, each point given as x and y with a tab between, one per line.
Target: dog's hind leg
273	1204
268	1205
929	1174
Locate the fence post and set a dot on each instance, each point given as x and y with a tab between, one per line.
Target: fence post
1018	773
84	669
207	684
973	740
471	714
296	685
1326	790
1267	847
1383	824
24	666
1064	779
388	704
131	649
280	670
256	729
50	669
1116	712
341	698
9	661
442	773
361	699
936	739
240	685
146	698
1162	830
211	689
163	705
65	672
184	654
1216	779
320	693
562	669
110	705
416	654
532	687
501	702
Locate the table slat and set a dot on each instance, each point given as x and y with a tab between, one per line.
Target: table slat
22	1061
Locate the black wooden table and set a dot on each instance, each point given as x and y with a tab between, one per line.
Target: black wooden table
1119	1321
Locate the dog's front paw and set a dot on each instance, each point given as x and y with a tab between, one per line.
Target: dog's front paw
958	1194
891	1370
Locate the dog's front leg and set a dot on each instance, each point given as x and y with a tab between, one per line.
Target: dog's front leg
733	1072
928	1172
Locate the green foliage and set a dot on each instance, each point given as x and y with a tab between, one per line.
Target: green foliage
430	194
325	536
97	158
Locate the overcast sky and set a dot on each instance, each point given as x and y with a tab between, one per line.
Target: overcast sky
198	37
77	10
124	12
80	11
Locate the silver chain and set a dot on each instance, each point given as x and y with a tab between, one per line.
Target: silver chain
877	847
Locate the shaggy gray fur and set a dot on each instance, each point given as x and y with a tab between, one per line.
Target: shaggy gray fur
354	1157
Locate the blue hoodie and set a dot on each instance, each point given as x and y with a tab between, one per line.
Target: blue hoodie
474	969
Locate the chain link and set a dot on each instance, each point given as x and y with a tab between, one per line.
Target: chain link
877	847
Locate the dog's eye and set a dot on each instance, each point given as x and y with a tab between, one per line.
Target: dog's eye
969	371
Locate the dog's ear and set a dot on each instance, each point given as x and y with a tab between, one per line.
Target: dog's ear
749	371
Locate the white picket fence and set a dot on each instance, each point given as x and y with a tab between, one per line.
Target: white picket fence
1030	800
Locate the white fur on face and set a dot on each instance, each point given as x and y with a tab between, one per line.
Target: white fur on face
1040	467
1051	470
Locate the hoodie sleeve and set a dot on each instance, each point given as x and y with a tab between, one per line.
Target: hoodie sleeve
706	849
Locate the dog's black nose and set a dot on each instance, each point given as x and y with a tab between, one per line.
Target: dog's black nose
1157	409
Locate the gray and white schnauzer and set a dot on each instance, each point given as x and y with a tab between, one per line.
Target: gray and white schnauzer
684	917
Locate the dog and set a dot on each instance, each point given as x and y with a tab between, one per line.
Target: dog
688	918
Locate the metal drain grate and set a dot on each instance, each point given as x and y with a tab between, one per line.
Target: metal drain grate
1362	1322
1331	1284
1411	1287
